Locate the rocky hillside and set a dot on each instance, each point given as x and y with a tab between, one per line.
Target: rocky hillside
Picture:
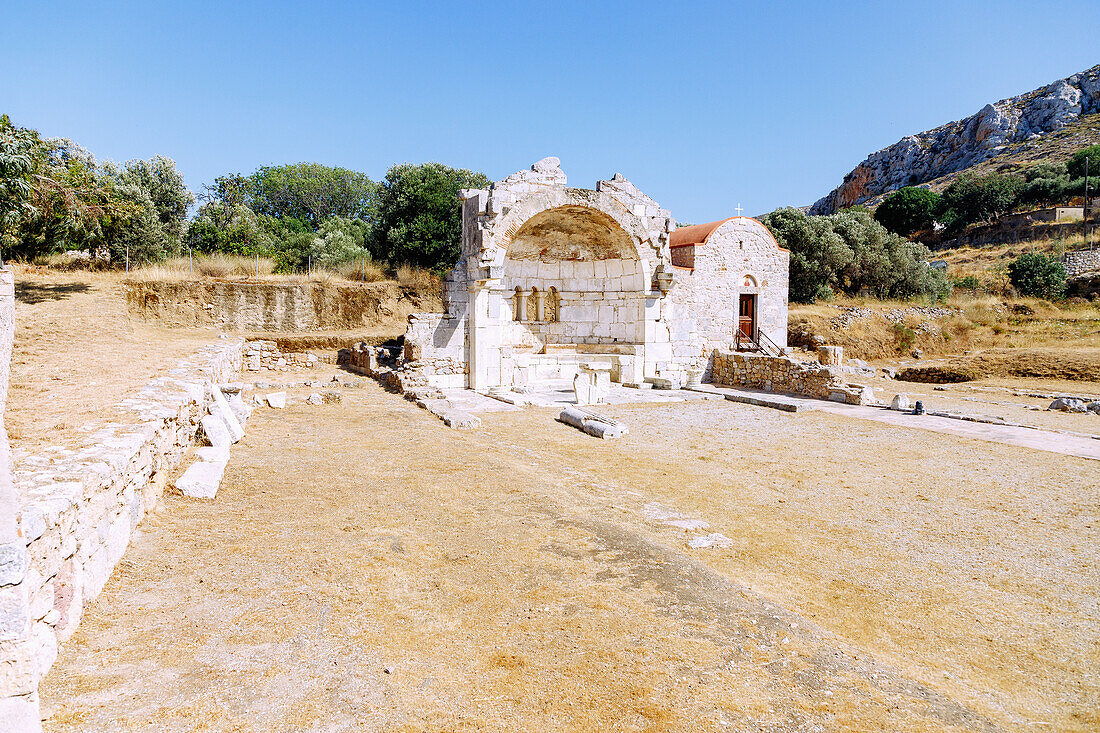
1008	127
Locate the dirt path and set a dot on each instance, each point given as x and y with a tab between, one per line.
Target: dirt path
366	568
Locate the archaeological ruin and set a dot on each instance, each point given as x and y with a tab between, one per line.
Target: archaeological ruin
551	278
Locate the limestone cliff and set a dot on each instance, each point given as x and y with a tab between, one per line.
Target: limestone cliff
995	130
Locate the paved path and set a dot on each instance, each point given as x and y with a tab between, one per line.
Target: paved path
1045	440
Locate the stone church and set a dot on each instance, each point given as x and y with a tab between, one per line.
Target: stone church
552	279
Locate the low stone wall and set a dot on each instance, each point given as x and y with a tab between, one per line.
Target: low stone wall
1081	261
77	509
775	374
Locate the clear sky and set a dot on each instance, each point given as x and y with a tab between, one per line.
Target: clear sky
702	105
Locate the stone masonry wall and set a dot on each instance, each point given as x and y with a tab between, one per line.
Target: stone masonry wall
274	305
739	257
775	374
1081	261
77	509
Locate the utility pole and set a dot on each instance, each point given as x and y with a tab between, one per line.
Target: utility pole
1085	210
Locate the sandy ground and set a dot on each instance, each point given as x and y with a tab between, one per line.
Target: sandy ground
366	568
77	353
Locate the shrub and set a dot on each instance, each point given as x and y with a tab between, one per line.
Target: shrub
1038	275
967	282
904	337
971	199
849	251
908	210
1076	165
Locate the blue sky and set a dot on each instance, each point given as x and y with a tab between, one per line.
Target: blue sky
702	105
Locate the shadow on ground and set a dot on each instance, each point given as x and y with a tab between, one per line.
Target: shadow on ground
31	293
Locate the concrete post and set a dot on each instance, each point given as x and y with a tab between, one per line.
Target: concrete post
19	680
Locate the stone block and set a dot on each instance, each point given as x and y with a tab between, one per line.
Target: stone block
14	562
830	355
216	431
222	409
240	409
900	402
276	400
461	420
21	713
203	478
14	611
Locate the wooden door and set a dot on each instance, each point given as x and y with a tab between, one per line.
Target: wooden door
746	319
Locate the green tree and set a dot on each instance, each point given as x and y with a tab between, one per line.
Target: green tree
849	251
420	216
971	199
1045	170
341	240
1076	165
907	210
164	185
1045	191
17	153
1038	275
312	193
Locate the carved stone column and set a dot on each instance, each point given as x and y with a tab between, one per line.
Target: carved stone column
540	305
521	304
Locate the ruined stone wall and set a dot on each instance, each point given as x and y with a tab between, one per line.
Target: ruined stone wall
275	305
78	507
738	257
1081	261
774	374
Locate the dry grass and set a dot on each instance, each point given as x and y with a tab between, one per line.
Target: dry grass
72	262
989	263
362	271
417	279
978	321
216	265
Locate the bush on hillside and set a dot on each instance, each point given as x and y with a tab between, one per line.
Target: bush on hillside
1076	165
907	210
973	199
848	252
1038	275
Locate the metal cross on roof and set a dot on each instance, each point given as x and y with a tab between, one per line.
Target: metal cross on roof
738	209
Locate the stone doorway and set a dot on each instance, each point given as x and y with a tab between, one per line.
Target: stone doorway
746	317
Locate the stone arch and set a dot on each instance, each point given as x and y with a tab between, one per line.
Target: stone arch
589	209
571	232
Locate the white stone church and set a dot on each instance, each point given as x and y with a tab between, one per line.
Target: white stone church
552	279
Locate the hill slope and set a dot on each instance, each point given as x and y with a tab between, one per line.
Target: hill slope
1015	128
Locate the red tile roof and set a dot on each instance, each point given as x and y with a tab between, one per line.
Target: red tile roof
694	234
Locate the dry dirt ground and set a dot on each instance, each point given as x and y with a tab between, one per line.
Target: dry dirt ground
366	568
77	353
